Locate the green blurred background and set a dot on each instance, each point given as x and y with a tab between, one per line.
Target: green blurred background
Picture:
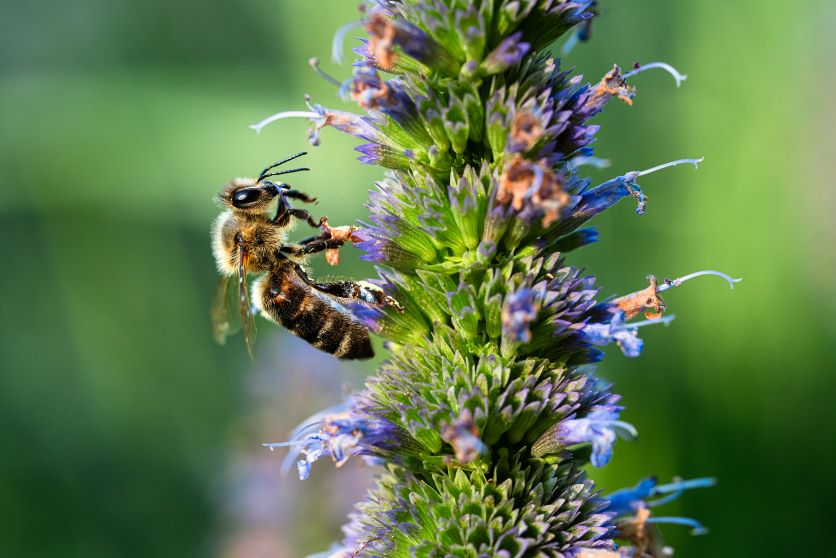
127	432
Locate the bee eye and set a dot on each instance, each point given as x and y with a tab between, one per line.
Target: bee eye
245	197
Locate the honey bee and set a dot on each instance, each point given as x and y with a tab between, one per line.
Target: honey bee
250	237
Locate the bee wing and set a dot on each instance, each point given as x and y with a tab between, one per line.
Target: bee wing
221	326
247	318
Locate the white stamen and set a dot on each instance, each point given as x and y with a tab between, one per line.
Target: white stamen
314	63
697	528
669	284
339	40
667	67
664	320
282	115
591	161
694	162
274	445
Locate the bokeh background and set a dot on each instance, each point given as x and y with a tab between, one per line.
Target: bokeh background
127	432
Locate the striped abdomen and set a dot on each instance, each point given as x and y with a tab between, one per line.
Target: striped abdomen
326	325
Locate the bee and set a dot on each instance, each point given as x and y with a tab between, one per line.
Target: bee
250	237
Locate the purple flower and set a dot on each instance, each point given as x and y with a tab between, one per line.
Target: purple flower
341	433
353	124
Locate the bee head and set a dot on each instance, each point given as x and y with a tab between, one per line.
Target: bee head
254	196
248	196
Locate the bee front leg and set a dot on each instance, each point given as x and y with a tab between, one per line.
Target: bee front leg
312	246
285	211
305	216
298	195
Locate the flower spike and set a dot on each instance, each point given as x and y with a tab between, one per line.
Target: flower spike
488	405
662	65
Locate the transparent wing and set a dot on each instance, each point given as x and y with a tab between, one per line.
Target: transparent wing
247	318
221	325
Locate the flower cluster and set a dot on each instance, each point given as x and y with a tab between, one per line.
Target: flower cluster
489	407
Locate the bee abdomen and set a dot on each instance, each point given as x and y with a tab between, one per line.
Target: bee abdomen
324	325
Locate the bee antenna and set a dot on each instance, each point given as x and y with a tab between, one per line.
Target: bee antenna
283	161
263	176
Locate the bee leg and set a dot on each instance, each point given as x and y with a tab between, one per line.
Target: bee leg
312	246
305	216
298	195
361	290
284	212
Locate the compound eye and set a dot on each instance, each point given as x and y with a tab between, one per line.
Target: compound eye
245	197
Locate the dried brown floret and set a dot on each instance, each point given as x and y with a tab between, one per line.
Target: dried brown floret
613	85
525	182
382	32
646	300
526	131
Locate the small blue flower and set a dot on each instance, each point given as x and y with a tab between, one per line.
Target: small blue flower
628	500
616	331
599	428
